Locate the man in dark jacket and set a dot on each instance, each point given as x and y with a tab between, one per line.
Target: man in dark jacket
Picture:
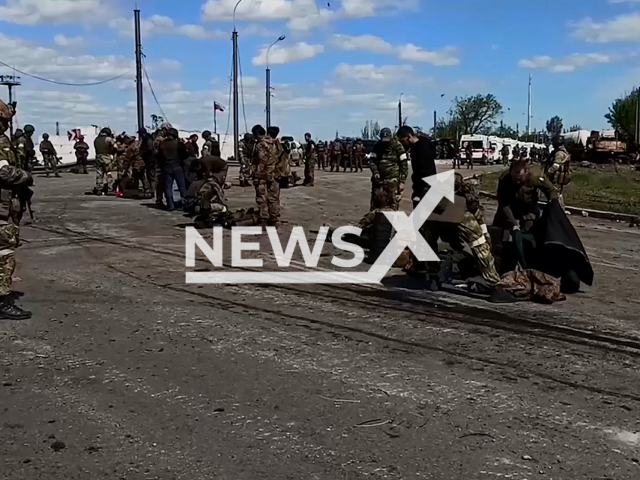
171	155
423	160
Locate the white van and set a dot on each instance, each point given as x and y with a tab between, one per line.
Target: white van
482	152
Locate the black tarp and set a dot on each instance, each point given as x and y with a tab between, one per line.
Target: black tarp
559	249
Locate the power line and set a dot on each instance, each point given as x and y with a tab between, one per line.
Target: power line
64	83
226	135
144	69
246	128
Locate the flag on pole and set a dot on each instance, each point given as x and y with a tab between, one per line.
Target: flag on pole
217	106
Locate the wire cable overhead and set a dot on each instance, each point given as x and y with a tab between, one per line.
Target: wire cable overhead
69	84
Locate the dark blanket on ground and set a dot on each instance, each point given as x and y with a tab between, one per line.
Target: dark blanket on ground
559	248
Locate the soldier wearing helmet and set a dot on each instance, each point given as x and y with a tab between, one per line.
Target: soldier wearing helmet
49	155
82	154
105	148
389	169
30	157
14	183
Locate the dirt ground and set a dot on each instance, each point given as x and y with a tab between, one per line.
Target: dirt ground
126	372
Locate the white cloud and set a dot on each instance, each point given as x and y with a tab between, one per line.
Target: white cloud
300	15
71	42
36	12
624	28
371	73
287	54
444	57
163	25
369	43
169	64
567	64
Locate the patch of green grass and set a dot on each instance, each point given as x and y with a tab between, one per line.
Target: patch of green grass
593	188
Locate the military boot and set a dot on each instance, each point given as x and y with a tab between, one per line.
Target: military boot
9	311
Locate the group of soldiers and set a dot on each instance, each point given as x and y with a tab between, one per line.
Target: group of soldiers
533	155
22	142
341	154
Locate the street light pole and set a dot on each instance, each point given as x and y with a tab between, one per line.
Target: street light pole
236	118
400	111
268	83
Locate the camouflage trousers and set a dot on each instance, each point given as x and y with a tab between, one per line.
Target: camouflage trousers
50	164
385	196
472	231
505	160
9	241
245	175
309	173
268	198
104	164
322	161
335	161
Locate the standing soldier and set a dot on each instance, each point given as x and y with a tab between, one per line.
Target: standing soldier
246	158
322	155
346	156
310	158
336	155
148	154
505	154
30	158
468	150
515	153
389	169
558	168
104	145
12	178
456	157
211	145
134	165
523	153
49	155
359	155
20	147
263	168
82	154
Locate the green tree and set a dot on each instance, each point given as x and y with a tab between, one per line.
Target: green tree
554	126
476	114
622	114
448	128
505	131
575	128
370	131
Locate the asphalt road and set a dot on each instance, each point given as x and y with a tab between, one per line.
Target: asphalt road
126	372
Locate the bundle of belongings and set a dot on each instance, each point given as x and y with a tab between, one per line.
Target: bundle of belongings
527	254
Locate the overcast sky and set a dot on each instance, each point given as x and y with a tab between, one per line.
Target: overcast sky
341	62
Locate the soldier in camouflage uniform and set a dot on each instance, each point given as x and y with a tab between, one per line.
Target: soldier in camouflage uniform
12	180
134	166
322	155
30	158
246	157
263	168
359	153
389	169
336	155
104	146
310	159
472	231
346	156
49	155
82	154
504	153
558	168
19	144
211	145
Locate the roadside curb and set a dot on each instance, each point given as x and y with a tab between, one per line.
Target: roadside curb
622	217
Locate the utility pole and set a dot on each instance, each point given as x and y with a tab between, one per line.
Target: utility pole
529	107
435	123
10	81
139	84
400	111
268	82
637	132
236	119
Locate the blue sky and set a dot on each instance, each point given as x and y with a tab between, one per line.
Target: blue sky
341	63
